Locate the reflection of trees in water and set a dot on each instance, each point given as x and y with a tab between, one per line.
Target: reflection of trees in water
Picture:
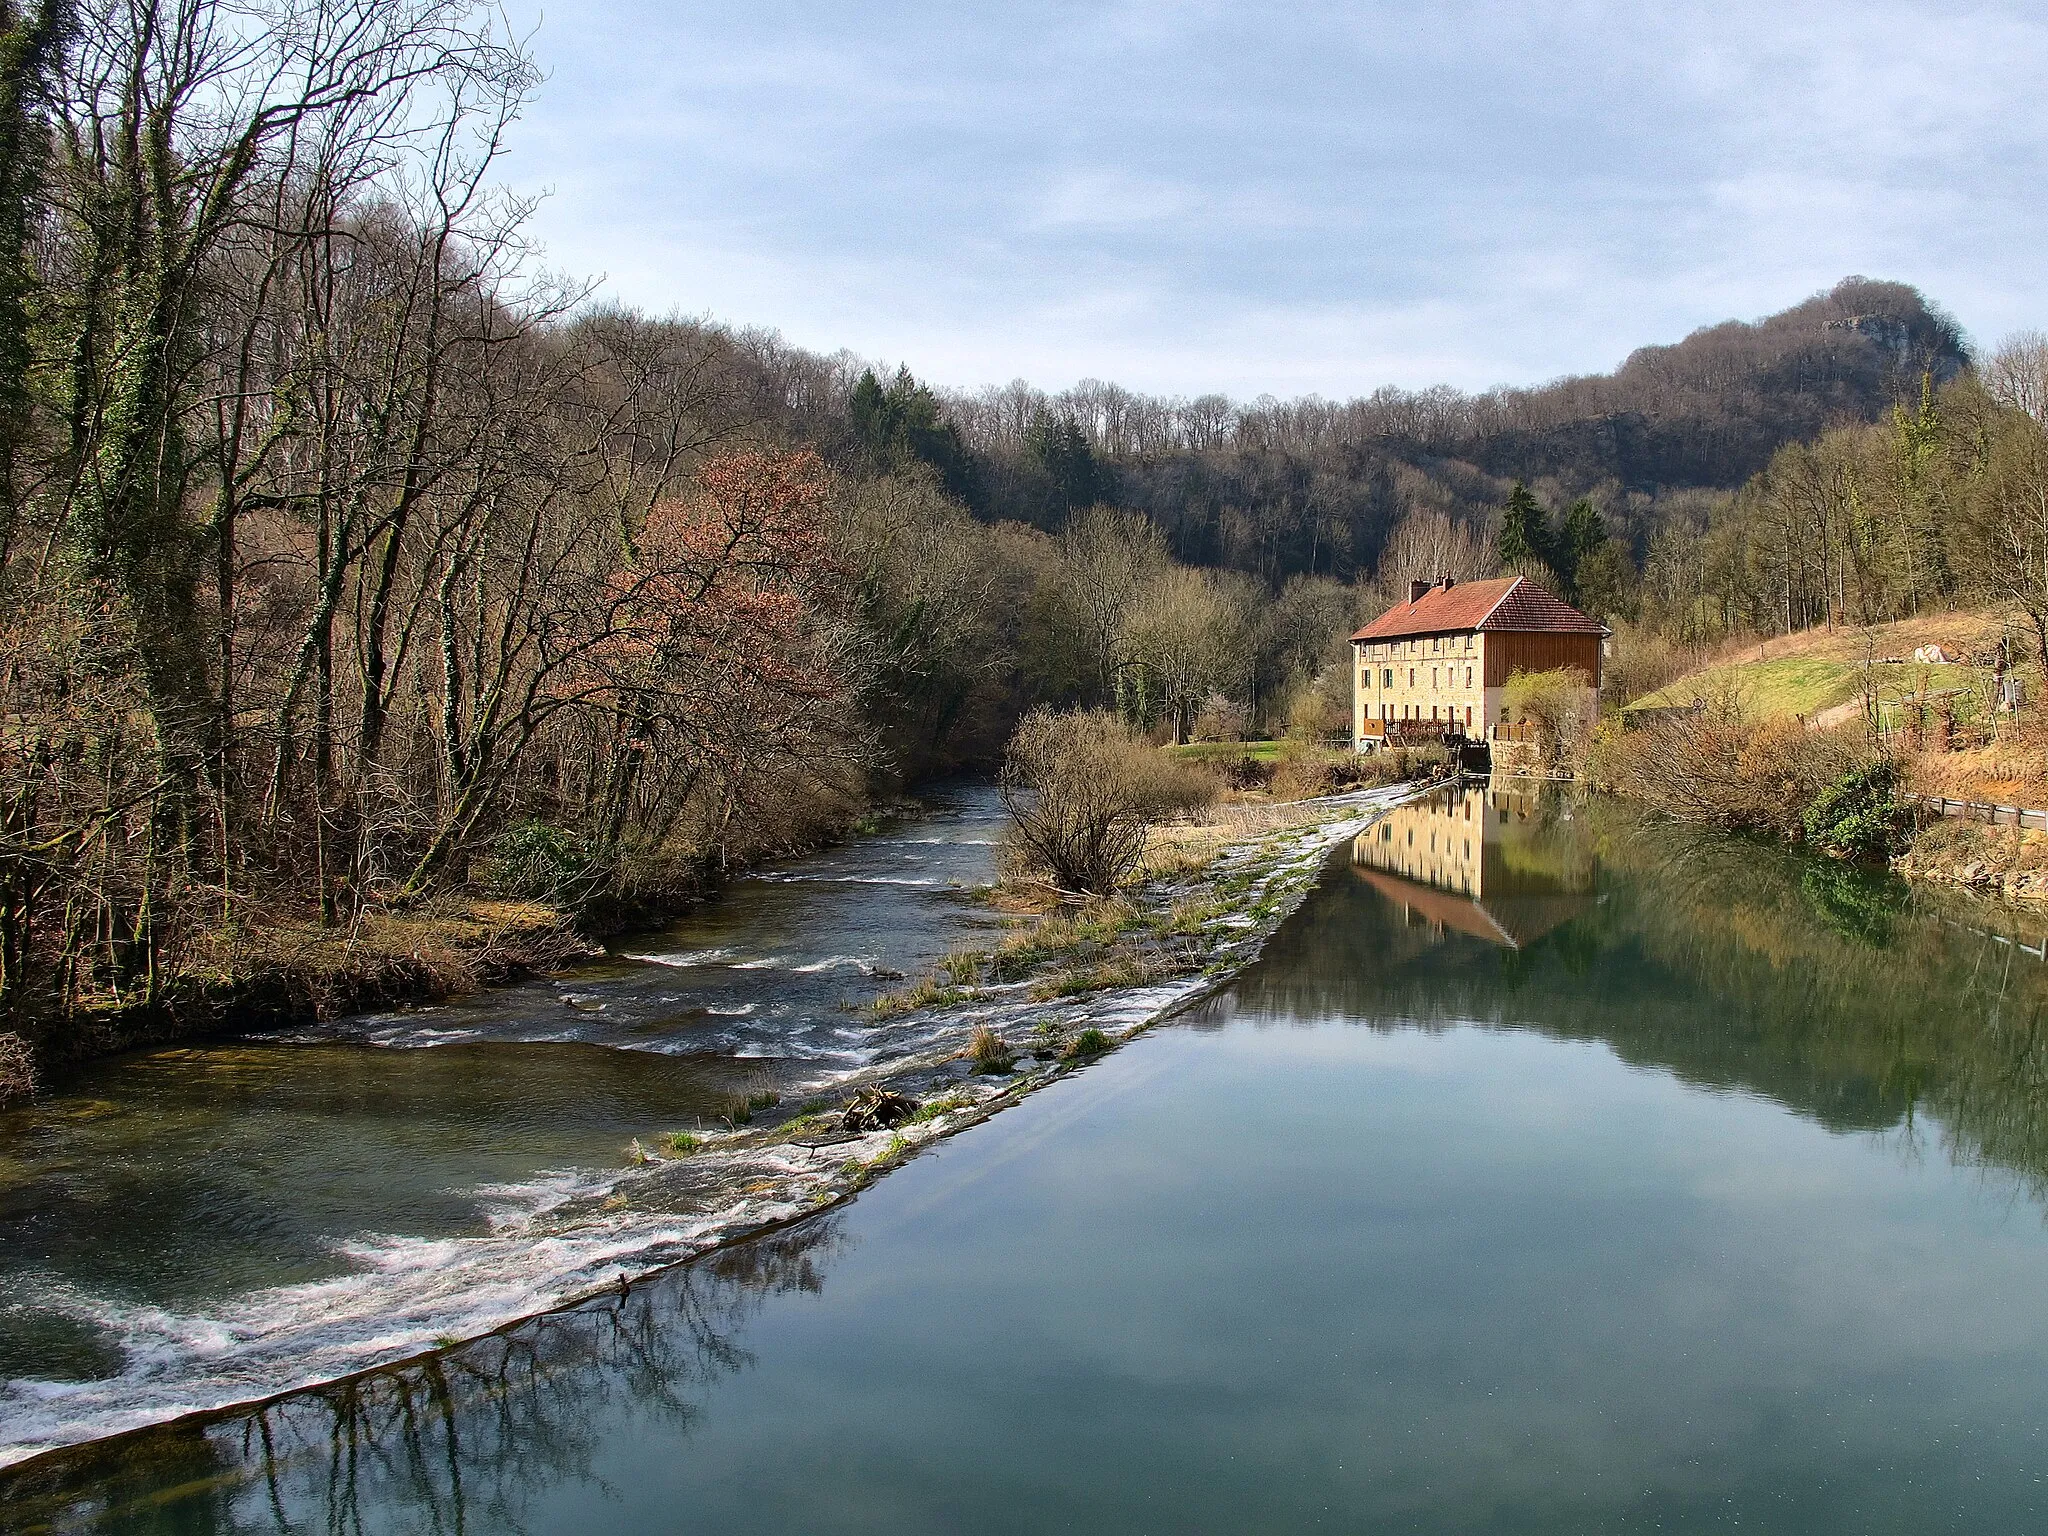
458	1443
1851	997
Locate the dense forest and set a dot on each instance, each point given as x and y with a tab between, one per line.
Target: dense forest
1314	487
348	557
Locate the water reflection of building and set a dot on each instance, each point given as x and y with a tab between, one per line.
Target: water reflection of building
1500	863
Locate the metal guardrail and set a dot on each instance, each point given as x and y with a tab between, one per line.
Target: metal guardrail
1978	810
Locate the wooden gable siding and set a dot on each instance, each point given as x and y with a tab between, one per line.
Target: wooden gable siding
1511	652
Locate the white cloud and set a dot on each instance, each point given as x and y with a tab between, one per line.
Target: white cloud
1188	196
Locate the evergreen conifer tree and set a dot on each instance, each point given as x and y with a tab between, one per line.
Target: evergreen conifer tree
869	412
1583	535
904	424
1067	460
1524	537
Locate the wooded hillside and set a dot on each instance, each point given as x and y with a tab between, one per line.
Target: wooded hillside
1278	488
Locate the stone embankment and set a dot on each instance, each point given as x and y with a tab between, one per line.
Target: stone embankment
2008	862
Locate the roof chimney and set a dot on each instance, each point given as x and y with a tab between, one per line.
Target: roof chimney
1416	589
1448	582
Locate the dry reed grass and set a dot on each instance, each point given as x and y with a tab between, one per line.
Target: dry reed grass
17	1069
1722	767
988	1051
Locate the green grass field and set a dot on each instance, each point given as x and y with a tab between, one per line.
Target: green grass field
1804	685
1228	751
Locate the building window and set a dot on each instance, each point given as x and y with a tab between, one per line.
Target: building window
1468	677
1386	677
1411	677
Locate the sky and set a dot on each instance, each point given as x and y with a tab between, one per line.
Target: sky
1284	198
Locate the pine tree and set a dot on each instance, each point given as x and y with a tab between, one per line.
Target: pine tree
1584	533
1524	537
869	412
1067	460
904	425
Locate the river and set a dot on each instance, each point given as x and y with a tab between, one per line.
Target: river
1551	1171
198	1225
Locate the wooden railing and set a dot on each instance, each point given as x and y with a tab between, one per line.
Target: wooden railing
1421	732
1979	810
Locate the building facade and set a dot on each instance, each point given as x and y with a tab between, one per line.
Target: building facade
1439	662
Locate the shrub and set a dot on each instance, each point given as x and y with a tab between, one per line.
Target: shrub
1304	773
1858	816
1561	705
1249	772
1082	789
541	862
1320	709
680	1143
1719	766
17	1069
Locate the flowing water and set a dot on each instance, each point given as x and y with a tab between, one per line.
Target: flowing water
199	1225
1549	1172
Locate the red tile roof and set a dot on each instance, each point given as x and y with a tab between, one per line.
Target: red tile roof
1513	603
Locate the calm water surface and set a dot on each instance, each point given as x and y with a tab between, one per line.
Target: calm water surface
1549	1173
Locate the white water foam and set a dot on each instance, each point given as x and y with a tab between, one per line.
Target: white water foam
682	960
852	880
400	1296
418	1037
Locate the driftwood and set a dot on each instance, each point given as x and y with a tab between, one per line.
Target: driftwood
877	1109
